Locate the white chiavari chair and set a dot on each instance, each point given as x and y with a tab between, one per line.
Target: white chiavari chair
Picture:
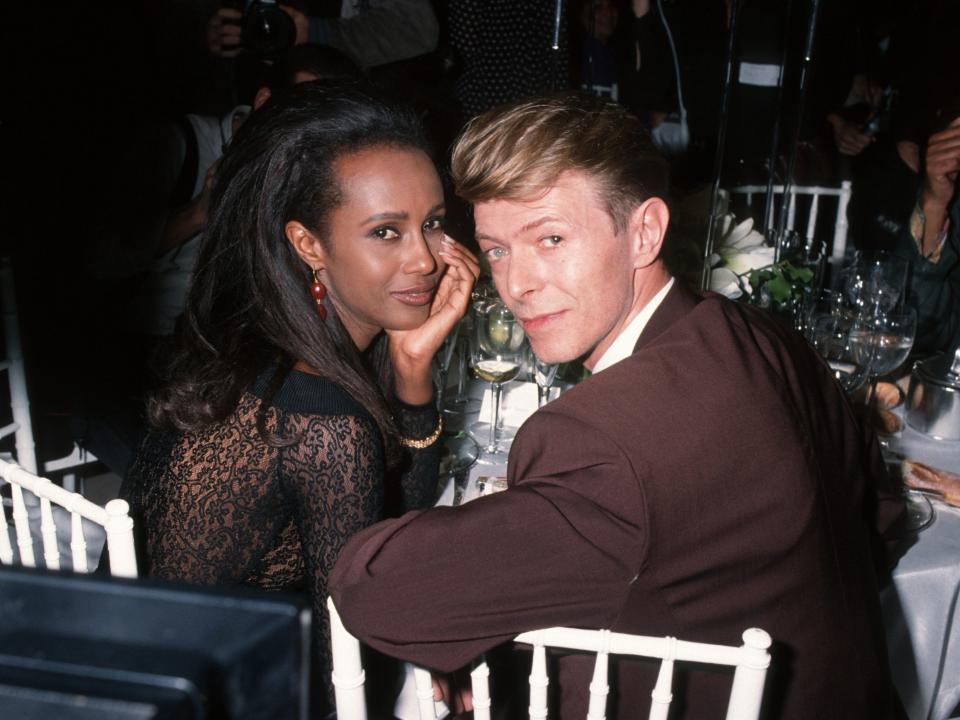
21	426
804	202
750	661
28	489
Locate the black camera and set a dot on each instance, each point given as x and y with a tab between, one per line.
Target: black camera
267	30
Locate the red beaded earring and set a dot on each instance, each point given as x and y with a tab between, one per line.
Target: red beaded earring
319	292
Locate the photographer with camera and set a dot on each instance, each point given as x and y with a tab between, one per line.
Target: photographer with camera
372	32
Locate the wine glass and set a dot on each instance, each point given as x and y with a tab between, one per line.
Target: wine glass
543	374
455	402
829	330
498	353
887	339
877	279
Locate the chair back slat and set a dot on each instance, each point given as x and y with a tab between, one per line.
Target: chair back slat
78	543
792	210
424	685
750	676
599	685
114	518
843	226
6	549
662	694
48	533
480	685
812	216
21	525
348	677
539	681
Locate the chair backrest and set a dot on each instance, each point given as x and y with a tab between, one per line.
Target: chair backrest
20	427
808	207
751	661
28	489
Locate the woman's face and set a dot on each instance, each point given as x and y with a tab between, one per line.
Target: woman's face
380	262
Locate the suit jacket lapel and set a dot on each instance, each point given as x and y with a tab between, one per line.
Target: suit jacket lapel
678	302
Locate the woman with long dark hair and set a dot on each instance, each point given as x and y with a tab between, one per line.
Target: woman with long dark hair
297	407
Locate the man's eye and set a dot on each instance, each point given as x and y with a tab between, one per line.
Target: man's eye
385	232
552	240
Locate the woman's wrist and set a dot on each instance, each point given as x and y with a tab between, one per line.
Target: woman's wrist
414	388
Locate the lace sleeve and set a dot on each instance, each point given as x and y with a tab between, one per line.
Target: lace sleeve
419	475
333	478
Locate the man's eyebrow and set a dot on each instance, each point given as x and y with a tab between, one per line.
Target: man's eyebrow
533	224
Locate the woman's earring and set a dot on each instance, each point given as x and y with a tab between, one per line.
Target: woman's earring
319	292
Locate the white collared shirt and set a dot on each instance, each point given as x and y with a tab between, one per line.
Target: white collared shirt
623	346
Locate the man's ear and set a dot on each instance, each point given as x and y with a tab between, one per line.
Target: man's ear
262	95
307	245
647	227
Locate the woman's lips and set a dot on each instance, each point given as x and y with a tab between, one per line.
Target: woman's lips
417	296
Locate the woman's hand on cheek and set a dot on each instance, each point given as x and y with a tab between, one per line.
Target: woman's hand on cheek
412	351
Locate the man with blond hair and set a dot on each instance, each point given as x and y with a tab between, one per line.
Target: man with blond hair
709	475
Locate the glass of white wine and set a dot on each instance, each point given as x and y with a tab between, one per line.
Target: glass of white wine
498	354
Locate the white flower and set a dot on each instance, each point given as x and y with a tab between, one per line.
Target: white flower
739	250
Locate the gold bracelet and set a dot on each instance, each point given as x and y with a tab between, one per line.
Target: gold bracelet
427	441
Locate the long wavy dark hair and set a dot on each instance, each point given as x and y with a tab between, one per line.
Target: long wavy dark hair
249	305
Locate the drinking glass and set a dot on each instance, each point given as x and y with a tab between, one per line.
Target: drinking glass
876	279
829	328
543	374
456	403
498	354
886	338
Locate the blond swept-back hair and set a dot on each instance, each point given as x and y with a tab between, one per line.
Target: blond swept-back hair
517	152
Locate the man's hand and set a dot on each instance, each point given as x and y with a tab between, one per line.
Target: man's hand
455	692
223	33
847	136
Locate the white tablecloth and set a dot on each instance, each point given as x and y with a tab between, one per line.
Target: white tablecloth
921	609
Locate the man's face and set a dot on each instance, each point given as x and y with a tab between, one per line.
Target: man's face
561	267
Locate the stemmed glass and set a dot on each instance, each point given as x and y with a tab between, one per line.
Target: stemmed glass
543	374
876	280
886	338
498	354
828	327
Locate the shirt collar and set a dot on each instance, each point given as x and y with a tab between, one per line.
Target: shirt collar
623	346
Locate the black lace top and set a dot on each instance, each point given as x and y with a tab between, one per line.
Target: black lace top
222	506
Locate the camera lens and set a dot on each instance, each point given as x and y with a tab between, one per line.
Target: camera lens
267	30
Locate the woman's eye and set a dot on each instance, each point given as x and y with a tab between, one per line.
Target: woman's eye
433	226
495	253
385	232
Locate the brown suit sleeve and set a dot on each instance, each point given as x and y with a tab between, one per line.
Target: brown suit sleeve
559	547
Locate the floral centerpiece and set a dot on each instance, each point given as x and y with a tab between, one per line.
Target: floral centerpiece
744	265
743	262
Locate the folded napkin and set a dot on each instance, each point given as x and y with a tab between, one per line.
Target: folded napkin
517	402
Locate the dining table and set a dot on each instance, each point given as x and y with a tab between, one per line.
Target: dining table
920	605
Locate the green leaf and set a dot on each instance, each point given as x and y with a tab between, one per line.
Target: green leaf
779	288
802	274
